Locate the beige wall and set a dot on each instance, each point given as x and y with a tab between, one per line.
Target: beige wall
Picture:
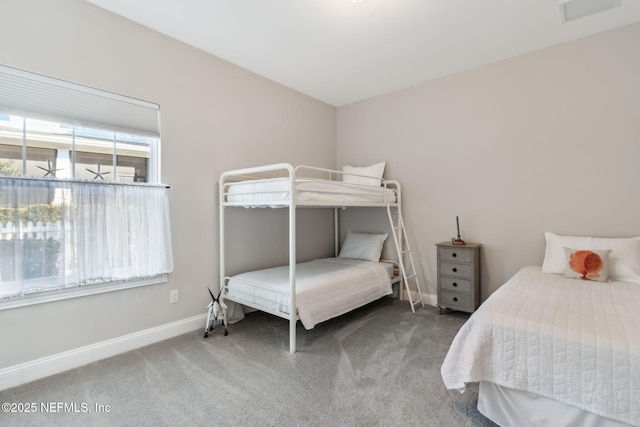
548	141
215	116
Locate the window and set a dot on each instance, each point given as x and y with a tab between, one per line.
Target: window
81	207
53	149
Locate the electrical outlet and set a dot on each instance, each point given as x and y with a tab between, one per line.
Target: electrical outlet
173	296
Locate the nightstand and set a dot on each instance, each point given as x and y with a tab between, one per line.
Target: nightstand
458	276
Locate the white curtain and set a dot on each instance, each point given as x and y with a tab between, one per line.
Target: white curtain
60	234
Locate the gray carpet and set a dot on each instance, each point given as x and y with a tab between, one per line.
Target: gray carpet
379	365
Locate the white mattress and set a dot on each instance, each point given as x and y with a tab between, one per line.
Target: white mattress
275	191
325	288
574	341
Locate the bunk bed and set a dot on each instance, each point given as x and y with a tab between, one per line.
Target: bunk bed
303	291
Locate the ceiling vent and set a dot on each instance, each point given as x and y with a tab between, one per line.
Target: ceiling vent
574	9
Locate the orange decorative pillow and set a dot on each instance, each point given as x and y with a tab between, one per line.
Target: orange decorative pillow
587	264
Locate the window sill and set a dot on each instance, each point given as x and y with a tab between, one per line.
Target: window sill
64	294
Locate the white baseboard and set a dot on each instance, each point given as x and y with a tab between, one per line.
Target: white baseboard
428	299
50	365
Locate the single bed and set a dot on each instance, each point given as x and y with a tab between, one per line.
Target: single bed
550	349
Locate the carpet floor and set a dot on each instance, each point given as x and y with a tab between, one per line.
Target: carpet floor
376	366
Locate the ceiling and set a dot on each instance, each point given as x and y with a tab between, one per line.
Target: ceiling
340	51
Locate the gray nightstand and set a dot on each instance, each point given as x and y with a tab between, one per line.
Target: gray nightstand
459	276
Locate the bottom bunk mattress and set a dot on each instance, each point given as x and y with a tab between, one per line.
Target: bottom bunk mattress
325	288
573	341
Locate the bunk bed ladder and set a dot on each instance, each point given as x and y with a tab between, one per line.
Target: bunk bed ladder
405	259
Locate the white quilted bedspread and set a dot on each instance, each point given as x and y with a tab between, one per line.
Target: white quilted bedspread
325	288
571	340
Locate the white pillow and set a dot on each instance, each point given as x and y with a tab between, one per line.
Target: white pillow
624	259
374	171
365	246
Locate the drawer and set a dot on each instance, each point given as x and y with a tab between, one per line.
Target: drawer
454	254
456	285
455	300
454	269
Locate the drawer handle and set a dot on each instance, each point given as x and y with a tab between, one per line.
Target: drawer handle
455	299
454	254
455	269
455	284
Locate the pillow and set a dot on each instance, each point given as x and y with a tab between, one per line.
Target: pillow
624	258
587	264
375	171
365	246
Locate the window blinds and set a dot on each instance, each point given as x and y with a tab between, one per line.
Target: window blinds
23	92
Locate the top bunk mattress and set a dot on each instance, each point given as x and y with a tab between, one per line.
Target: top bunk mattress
275	192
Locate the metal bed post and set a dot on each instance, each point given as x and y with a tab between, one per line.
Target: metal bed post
293	312
222	227
336	232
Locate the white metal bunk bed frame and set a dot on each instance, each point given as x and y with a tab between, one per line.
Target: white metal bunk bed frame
405	261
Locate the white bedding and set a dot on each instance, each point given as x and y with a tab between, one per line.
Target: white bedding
275	191
325	288
574	341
